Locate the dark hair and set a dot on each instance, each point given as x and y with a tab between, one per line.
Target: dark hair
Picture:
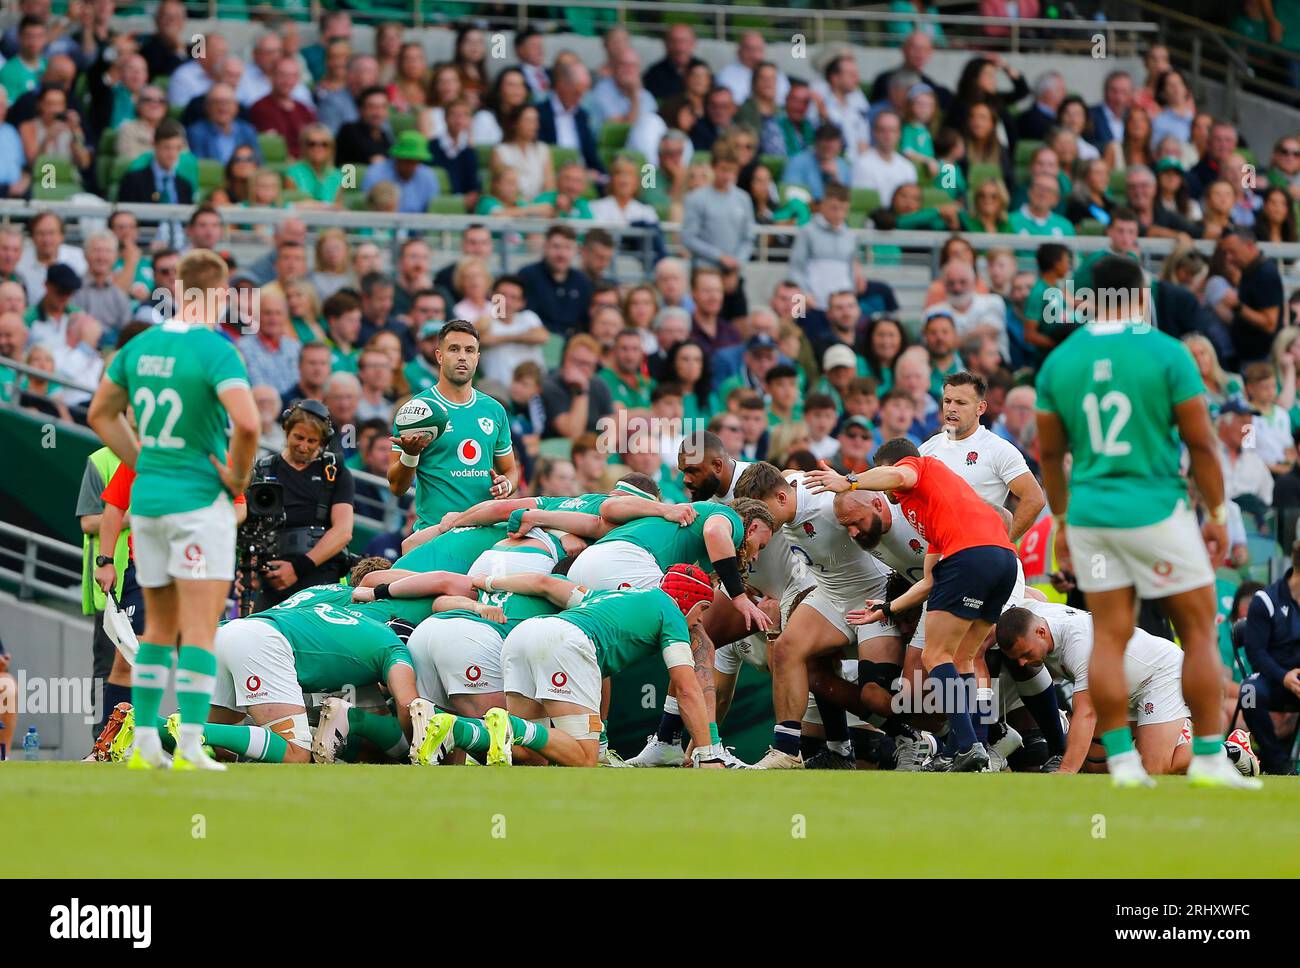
874	365
1124	214
964	378
801	460
642	482
509	279
457	326
373	280
1013	624
338	304
168	128
1049	254
898	394
818	401
704	385
1287	228
665	388
203	210
828	132
782	371
1116	272
130	331
598	237
754	402
563	230
705	443
494	98
945	140
30	21
892	451
510	123
371	92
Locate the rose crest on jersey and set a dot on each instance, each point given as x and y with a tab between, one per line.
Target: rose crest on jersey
972	457
809	530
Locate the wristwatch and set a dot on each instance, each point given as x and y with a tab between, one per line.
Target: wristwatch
853	481
102	560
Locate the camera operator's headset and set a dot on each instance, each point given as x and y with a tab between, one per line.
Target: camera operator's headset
331	470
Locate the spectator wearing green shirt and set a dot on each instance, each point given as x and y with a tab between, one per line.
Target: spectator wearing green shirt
568	200
315	174
988	208
1045	161
1047	317
793	130
1038	215
342	313
688	367
626	374
22	72
1123	235
1258	22
916	144
783	403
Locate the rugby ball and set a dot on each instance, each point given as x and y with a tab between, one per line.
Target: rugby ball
1237	746
421	414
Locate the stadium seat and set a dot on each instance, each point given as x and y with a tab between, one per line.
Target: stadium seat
562	156
211	175
614	135
932	197
557	447
401	121
979	174
54	179
864	200
274	148
1118	183
448	205
775	164
1024	151
1090	226
444	180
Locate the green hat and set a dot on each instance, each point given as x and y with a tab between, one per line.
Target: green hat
411	146
1169	164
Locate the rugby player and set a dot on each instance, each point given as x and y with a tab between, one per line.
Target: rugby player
989	464
472	457
554	664
972	569
1055	642
184	382
817	631
265	663
1114	397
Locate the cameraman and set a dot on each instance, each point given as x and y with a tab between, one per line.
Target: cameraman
318	491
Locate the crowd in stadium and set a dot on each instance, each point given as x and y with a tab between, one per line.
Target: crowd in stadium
822	367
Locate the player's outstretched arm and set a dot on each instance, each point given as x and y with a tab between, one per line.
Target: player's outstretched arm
107	419
401	470
452	603
589	526
560	591
486	512
427	585
621	510
888	478
401	684
1083	723
694	711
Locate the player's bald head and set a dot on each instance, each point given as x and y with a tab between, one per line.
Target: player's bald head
857	512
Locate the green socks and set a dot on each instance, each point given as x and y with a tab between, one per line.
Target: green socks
530	735
153	666
196	673
1117	741
250	742
470	735
384	731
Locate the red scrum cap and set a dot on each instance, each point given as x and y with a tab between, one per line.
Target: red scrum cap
687	585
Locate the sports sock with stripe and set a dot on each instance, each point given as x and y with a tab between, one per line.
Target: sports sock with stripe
528	734
785	737
384	731
149	675
670	723
251	742
835	724
1207	749
196	673
470	735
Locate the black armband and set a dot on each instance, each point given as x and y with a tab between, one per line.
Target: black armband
728	570
383	591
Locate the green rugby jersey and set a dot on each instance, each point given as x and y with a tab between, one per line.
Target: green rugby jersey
455	471
336	647
670	543
582	504
454	550
517	608
332	594
628	624
1114	385
173	375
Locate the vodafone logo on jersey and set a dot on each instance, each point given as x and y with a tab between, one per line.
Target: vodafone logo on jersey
470	451
253	686
473	674
559	682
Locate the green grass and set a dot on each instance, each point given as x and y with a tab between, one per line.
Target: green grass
74	819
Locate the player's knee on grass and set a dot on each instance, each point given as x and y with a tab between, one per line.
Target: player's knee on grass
293	729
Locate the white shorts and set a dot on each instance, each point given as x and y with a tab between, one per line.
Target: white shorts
917	641
616	564
833	608
750	651
1155	691
193	545
520	561
455	656
549	658
849	670
1159	560
255	667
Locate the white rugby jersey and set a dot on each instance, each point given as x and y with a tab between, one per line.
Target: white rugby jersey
901	547
834	559
984	460
735	476
1144	657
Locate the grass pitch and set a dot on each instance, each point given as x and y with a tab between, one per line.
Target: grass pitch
77	820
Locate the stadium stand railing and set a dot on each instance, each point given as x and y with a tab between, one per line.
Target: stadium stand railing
32	564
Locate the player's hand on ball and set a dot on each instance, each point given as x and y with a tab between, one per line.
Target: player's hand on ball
413	441
363	594
681	514
825	479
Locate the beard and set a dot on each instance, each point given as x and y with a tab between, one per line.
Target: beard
870	539
708	489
